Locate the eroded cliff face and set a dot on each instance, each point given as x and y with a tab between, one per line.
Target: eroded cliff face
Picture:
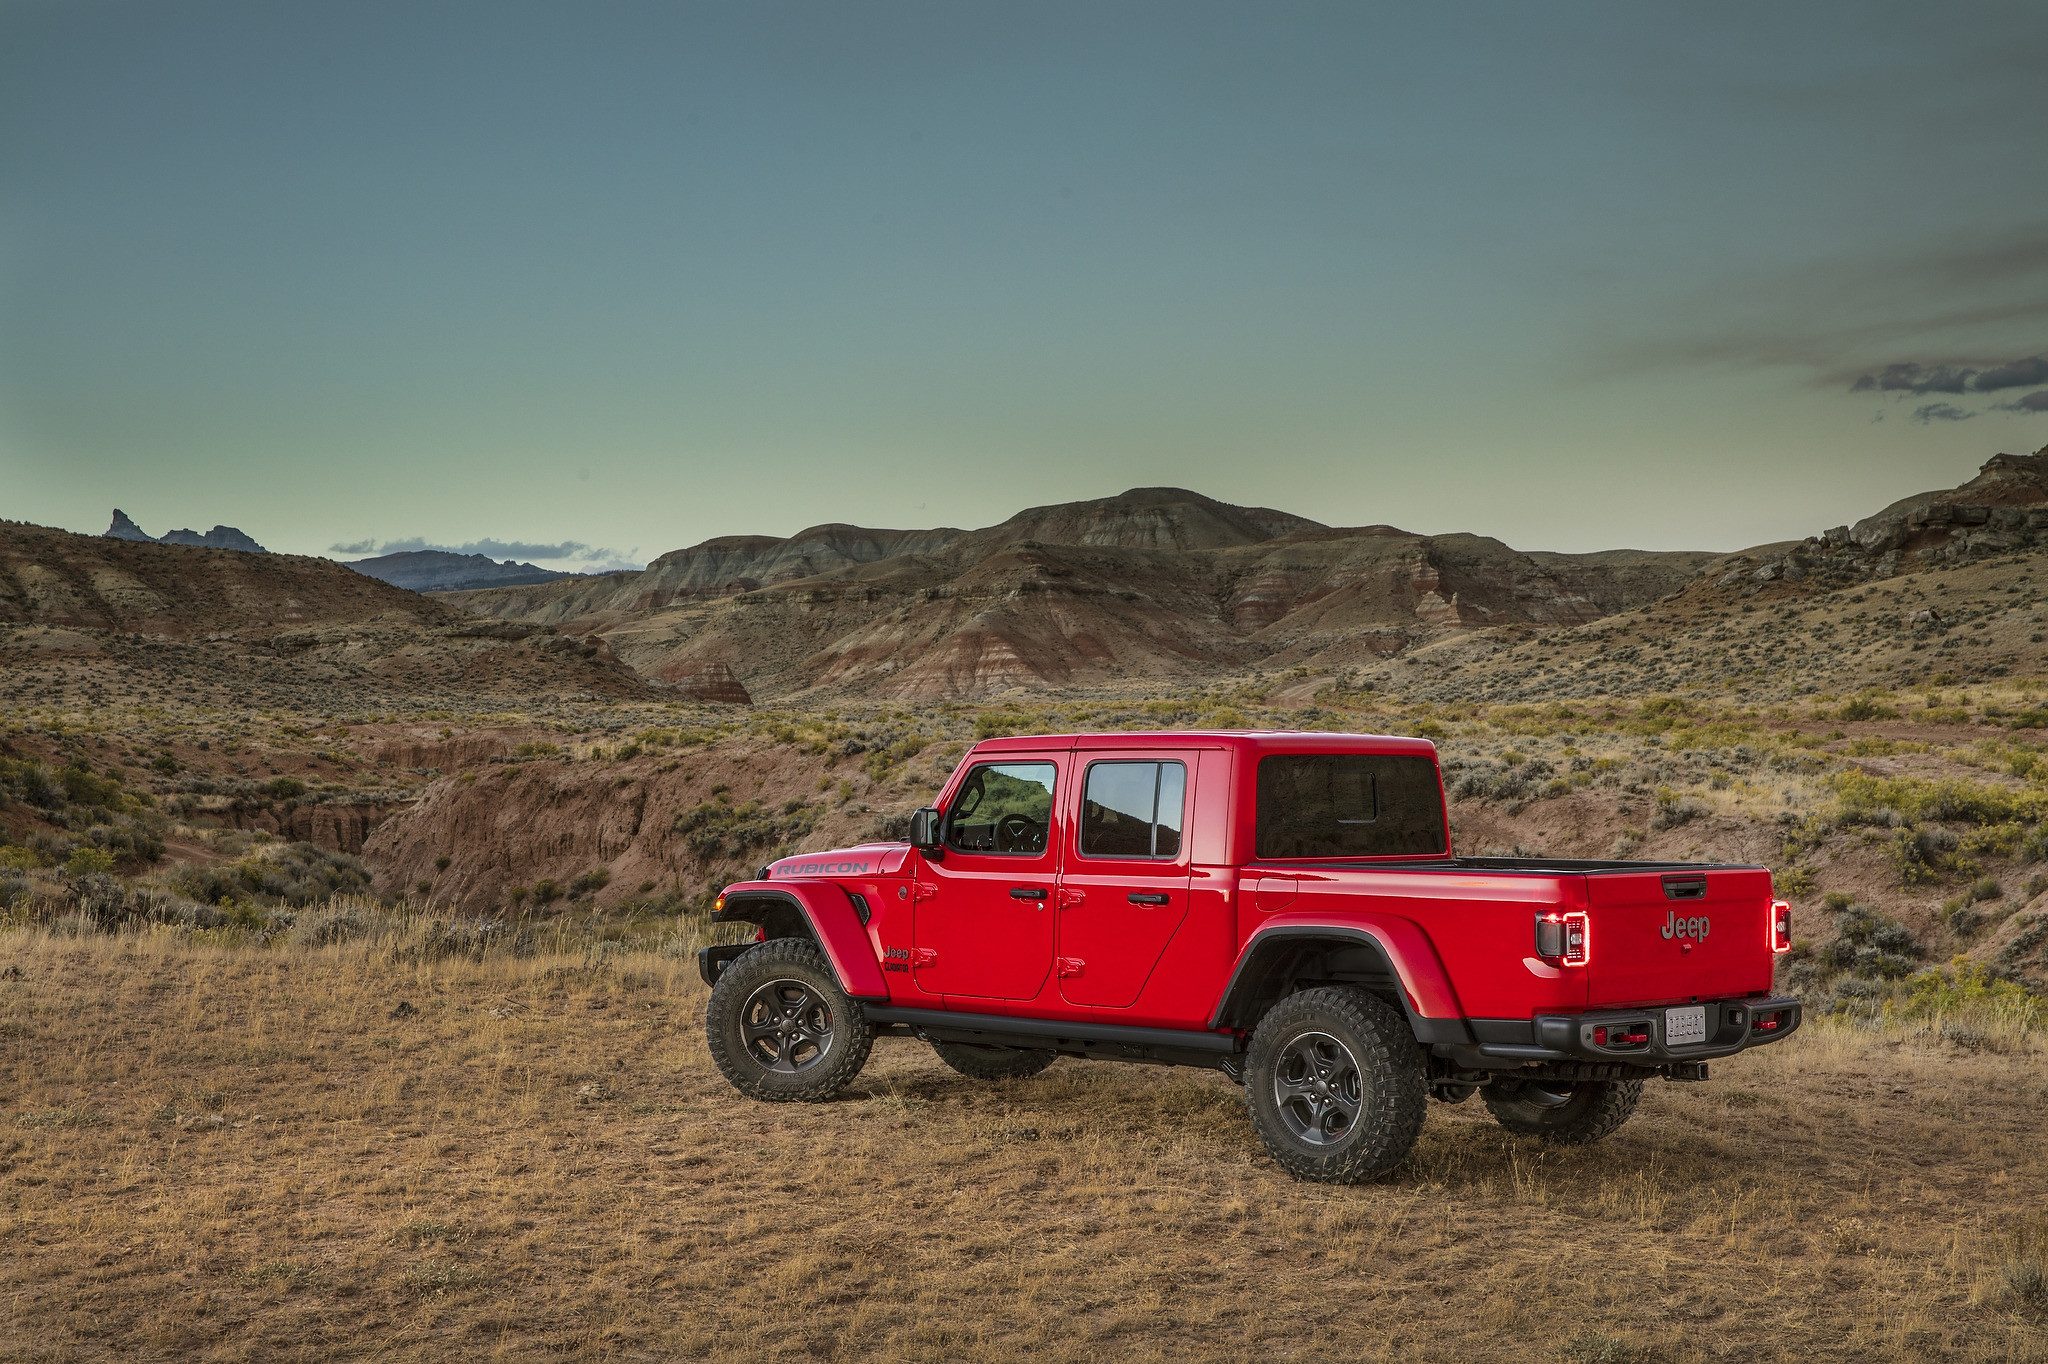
2003	510
1157	583
670	825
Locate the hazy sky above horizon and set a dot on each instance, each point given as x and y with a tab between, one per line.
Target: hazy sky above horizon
627	276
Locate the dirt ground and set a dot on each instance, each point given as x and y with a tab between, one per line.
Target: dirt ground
265	1154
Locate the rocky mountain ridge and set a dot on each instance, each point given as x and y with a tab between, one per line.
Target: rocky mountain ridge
440	570
220	537
1157	582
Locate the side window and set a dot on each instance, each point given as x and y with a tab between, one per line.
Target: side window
1002	808
1133	809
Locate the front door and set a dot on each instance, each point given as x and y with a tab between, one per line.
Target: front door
985	930
1125	884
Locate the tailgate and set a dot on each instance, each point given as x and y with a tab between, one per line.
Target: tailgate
1670	935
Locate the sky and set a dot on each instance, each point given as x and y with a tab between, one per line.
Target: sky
585	283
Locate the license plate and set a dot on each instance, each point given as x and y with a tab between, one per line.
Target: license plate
1682	1027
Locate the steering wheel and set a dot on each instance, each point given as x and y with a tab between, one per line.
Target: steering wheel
1021	833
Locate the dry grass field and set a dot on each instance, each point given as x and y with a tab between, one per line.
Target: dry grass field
359	1151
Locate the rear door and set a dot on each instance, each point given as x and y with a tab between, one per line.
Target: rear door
1124	886
1672	936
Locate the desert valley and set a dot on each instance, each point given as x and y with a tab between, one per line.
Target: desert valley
393	896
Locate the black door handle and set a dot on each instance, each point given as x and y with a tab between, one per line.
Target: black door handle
1138	898
1027	892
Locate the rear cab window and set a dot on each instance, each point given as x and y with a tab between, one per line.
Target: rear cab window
1329	805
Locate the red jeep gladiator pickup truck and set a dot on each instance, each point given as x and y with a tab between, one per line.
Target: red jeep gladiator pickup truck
1283	907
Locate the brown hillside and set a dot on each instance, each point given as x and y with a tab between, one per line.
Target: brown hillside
53	577
93	619
1156	583
1938	588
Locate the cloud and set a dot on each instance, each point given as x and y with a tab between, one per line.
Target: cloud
1911	377
1945	302
496	549
2037	401
1914	377
2017	374
1941	412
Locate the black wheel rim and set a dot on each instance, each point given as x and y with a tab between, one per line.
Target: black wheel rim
786	1026
1318	1089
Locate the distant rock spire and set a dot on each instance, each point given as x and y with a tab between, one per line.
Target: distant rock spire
124	529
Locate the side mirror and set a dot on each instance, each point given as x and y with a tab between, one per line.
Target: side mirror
924	829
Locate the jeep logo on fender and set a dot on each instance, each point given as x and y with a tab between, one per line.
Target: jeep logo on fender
1675	927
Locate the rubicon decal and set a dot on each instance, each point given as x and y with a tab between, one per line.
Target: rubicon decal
1675	927
821	868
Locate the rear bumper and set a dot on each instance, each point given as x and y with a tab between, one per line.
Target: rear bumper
1732	1025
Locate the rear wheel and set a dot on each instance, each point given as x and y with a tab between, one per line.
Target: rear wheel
993	1063
1335	1084
781	1029
1565	1112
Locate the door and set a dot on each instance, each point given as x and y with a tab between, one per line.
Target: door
985	929
1124	888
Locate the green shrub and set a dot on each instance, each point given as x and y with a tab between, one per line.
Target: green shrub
1674	810
1995	840
86	860
81	787
590	882
1909	857
1965	985
1794	883
285	788
1872	945
1951	799
17	859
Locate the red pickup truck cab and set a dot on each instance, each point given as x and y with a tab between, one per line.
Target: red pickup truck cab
1283	907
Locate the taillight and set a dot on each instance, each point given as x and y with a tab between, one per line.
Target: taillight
1563	939
1781	926
1578	941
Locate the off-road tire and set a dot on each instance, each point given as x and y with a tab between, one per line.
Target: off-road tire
819	1053
1595	1108
1365	1120
993	1063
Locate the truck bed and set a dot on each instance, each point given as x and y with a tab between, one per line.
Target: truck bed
1658	932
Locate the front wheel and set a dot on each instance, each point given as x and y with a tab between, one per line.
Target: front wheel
781	1029
1565	1113
1336	1085
993	1063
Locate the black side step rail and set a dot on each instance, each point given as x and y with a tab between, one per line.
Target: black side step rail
1101	1041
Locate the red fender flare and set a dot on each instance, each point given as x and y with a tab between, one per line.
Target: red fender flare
827	910
1427	997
